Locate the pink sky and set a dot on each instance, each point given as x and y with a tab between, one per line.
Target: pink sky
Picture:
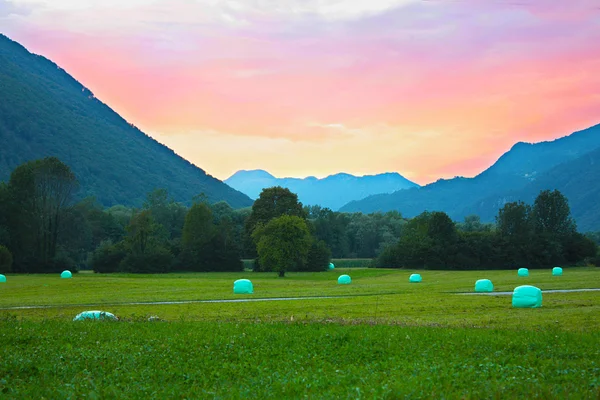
429	89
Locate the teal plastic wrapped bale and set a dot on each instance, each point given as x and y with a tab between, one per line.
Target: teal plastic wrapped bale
344	280
331	266
523	272
527	296
556	271
2	278
66	275
415	278
95	315
484	285
243	286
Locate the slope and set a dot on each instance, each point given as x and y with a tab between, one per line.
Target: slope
513	171
578	180
46	112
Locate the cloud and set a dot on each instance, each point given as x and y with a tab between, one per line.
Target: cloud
9	9
439	88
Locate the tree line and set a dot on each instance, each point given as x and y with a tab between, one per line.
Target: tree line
44	229
538	236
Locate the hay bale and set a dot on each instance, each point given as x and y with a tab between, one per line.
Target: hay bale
557	271
66	274
415	278
243	286
523	272
484	285
95	315
331	266
527	296
2	278
344	280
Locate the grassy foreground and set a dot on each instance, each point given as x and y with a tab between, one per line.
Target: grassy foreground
382	338
156	360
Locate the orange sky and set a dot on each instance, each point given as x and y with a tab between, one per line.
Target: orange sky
429	89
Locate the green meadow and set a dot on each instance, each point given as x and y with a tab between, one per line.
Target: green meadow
380	337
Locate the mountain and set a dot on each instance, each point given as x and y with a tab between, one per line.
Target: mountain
525	169
46	112
577	179
332	192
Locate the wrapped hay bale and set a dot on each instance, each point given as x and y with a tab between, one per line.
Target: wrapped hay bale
557	271
66	274
344	280
527	296
95	315
243	286
331	266
415	278
523	272
484	285
2	278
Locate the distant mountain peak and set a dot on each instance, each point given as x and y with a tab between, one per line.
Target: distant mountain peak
254	173
332	191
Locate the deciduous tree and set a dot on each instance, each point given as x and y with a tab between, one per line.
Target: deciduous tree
283	244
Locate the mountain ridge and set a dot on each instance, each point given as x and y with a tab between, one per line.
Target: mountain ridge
52	114
332	191
513	171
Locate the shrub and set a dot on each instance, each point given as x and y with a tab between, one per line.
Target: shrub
6	260
155	260
318	257
388	258
107	257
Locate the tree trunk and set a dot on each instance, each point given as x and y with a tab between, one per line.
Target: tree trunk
282	274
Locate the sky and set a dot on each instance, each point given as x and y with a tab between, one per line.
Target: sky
426	88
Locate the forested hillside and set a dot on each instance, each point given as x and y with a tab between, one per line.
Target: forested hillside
578	180
566	164
46	112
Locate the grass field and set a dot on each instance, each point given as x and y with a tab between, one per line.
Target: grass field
338	262
380	338
352	262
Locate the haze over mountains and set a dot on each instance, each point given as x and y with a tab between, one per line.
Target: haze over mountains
46	112
332	192
570	164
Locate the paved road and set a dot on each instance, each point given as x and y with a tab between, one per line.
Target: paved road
152	303
543	291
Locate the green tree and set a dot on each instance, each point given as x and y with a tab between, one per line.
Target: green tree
283	244
141	232
6	260
472	223
332	228
167	213
221	210
225	251
441	230
552	215
145	249
121	214
319	257
108	257
41	191
514	220
198	234
4	213
272	203
515	228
